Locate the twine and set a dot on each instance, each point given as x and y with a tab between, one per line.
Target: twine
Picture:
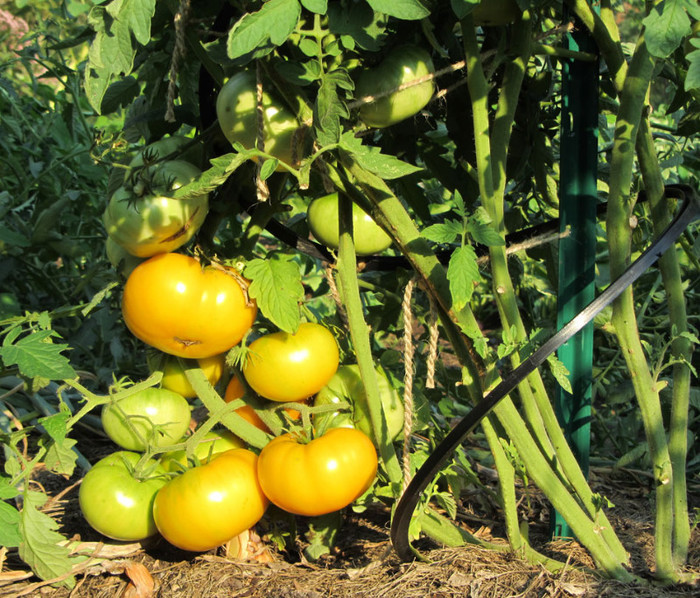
261	188
181	18
432	345
336	295
408	354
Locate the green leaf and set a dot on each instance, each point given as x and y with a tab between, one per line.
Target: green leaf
409	10
463	7
222	167
37	356
370	158
485	235
443	232
665	27
55	425
462	273
560	373
10	536
329	107
60	457
318	6
40	547
273	23
136	15
360	23
7	490
13	238
692	77
277	288
322	533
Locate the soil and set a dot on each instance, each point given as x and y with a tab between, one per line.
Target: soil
362	563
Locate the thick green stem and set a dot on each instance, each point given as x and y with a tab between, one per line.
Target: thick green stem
359	332
619	230
681	347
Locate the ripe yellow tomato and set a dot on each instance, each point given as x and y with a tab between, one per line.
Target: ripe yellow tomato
292	367
175	305
318	477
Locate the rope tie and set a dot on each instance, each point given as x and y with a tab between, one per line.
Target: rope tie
181	19
409	367
261	188
432	345
336	295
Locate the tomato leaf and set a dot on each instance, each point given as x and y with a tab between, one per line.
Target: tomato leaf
560	373
359	23
692	77
55	425
222	167
462	273
259	31
277	288
318	6
443	232
409	10
60	457
41	545
37	356
329	107
665	27
463	7
9	526
371	158
484	234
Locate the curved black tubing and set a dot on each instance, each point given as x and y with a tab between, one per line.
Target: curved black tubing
690	210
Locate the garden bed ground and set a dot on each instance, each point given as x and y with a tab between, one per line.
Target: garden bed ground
363	564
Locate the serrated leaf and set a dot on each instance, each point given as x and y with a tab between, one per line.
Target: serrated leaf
276	287
372	159
136	15
7	490
665	27
318	6
60	457
409	10
37	356
484	234
692	77
329	107
55	425
10	536
41	546
358	21
443	232
222	167
273	23
462	273
560	373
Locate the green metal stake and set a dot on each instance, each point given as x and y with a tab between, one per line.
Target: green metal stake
577	212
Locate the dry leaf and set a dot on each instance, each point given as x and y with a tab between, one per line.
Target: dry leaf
141	583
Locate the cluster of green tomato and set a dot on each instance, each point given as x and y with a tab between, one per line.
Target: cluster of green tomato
186	310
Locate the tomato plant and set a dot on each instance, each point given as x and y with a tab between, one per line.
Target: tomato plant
210	504
146	220
154	416
174	377
291	367
318	477
496	12
174	304
213	444
117	502
236	110
402	64
322	216
347	385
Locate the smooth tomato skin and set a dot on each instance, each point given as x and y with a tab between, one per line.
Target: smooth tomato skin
236	110
213	444
347	386
156	222
292	367
210	504
116	504
147	408
173	304
319	477
322	217
175	379
402	64
236	390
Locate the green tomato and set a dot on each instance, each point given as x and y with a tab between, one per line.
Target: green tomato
322	217
402	64
347	386
115	502
172	148
236	111
122	261
155	222
158	416
213	444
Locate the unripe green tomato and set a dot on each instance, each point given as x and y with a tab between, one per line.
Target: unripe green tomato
491	13
117	504
122	261
214	443
157	415
347	386
322	217
236	111
155	222
167	146
402	64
